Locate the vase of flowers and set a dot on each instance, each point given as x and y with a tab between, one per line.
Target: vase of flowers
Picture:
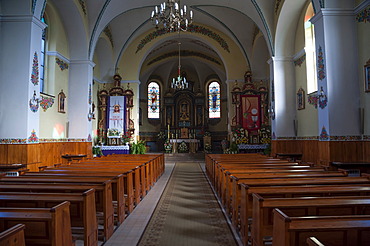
168	146
126	138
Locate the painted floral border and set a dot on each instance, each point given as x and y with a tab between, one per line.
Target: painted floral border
320	64
62	64
35	70
192	28
364	15
46	102
300	60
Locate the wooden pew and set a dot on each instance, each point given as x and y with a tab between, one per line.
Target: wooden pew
233	202
13	236
334	230
302	206
118	185
103	196
44	226
312	241
290	192
82	208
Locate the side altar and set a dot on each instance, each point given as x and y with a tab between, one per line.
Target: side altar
115	119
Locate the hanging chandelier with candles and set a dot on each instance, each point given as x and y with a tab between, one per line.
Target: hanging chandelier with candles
179	83
172	16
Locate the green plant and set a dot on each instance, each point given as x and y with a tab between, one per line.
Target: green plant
138	147
97	151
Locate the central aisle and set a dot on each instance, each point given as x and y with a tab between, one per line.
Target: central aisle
187	213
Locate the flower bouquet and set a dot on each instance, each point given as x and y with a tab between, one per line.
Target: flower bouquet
168	147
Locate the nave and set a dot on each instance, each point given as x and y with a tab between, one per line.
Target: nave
180	209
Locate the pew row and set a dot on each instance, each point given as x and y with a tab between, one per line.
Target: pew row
13	236
44	226
331	230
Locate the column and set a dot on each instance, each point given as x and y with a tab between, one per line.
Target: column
79	99
337	71
284	88
20	44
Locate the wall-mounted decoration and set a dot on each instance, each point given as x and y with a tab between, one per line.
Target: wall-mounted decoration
184	53
251	112
313	99
364	15
35	70
89	138
323	99
367	76
300	60
277	5
33	138
108	32
192	28
273	137
46	102
324	134
90	115
83	6
90	94
300	99
13	141
34	103
62	64
61	102
320	64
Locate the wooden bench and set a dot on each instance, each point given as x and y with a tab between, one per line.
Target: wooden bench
13	236
233	202
303	206
312	241
103	196
290	192
82	208
44	226
118	185
331	230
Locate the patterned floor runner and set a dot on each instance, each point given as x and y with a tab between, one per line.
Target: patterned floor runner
187	213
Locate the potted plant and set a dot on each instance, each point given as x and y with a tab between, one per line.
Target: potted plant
168	146
138	147
97	151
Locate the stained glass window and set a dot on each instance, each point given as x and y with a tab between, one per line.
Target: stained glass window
214	100
153	100
42	57
310	50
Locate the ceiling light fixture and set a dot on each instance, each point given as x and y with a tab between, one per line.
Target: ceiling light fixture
172	16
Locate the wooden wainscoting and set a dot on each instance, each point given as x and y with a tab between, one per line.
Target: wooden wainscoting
42	154
324	152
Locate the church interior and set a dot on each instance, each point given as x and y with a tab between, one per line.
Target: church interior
229	81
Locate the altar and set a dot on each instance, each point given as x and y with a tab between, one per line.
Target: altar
192	144
118	149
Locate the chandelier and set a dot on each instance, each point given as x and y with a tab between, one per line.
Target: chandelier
179	83
172	16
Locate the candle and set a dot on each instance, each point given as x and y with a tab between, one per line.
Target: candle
168	129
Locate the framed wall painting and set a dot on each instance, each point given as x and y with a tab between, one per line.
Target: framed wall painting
300	99
61	102
251	112
367	76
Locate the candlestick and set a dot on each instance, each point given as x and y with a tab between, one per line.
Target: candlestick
168	131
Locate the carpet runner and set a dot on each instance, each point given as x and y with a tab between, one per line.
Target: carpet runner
187	213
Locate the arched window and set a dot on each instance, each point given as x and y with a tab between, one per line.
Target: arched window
214	100
310	50
43	57
153	100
